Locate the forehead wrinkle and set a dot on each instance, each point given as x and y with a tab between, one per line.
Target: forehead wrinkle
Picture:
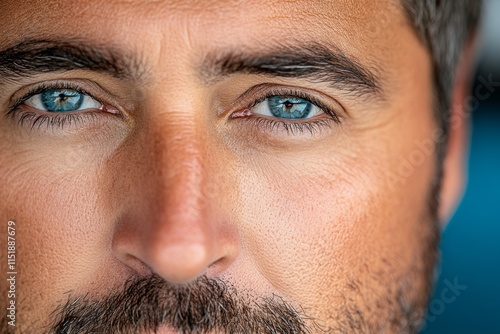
177	9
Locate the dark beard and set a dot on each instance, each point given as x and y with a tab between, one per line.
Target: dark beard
206	305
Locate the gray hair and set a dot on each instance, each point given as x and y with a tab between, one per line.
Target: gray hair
444	26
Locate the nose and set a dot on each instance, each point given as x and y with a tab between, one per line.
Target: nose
173	224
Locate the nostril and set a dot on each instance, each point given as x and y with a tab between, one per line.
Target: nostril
137	265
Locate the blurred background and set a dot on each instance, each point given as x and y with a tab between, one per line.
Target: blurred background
467	293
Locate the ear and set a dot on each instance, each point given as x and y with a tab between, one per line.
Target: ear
455	162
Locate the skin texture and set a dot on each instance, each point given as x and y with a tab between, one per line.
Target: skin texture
175	186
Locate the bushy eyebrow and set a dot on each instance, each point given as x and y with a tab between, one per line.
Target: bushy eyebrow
34	57
313	62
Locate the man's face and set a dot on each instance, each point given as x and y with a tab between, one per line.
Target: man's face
235	162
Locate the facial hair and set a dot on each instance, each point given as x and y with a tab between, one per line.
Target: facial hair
206	305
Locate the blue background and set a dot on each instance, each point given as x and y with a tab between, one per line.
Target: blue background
470	247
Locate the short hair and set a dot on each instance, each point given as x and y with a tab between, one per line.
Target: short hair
444	27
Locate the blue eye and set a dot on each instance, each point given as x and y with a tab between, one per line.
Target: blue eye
62	100
286	107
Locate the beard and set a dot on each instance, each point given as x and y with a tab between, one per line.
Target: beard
205	305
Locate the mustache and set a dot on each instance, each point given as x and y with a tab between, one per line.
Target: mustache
203	306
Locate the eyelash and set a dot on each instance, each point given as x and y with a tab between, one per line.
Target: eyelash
266	124
52	121
293	127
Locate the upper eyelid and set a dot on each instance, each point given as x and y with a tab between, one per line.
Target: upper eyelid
268	88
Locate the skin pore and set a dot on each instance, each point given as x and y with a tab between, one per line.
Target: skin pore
177	189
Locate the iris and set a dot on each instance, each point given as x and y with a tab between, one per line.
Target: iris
289	107
61	100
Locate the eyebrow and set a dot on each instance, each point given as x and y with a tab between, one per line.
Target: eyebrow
34	57
313	62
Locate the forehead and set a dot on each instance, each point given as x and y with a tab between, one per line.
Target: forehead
165	8
343	22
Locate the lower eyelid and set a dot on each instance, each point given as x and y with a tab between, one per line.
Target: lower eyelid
291	128
271	128
35	120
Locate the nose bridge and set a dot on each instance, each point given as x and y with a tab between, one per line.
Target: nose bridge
181	171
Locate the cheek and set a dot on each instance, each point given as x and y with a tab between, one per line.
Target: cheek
317	223
51	195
